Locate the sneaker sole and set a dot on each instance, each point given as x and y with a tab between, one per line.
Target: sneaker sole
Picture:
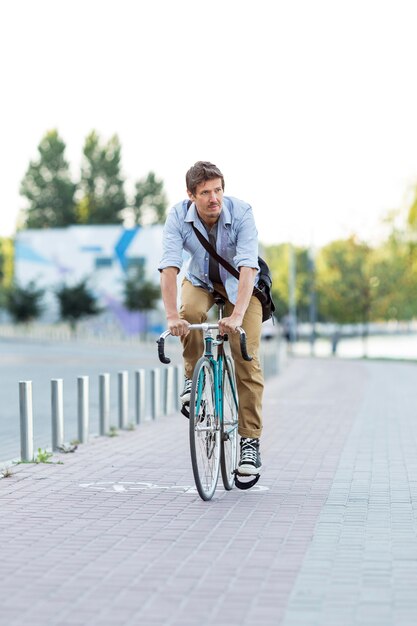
185	399
249	470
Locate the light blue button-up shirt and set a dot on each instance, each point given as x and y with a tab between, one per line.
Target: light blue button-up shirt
237	243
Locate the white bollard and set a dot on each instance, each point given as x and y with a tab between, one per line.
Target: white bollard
104	403
140	395
123	399
57	410
156	392
169	390
83	413
179	382
26	420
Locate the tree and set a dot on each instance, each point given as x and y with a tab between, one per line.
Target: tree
6	262
277	257
76	302
48	187
395	275
346	282
24	303
150	201
101	189
140	294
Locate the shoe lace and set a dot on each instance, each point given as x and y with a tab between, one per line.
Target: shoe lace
187	385
249	452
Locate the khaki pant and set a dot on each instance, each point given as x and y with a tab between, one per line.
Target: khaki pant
195	303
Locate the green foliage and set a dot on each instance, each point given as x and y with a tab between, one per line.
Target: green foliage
150	201
101	190
24	303
3	297
6	269
48	187
412	213
395	279
43	456
6	262
345	285
277	257
76	302
140	294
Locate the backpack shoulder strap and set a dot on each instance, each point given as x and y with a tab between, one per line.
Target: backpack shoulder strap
207	245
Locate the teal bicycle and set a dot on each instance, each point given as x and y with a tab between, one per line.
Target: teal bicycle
213	409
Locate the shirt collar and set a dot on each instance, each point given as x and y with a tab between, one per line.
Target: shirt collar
192	215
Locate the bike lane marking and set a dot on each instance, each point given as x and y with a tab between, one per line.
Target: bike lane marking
124	486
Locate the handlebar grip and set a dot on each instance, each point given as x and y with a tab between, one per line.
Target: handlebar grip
161	352
243	348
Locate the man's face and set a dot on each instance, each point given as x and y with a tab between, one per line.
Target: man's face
208	199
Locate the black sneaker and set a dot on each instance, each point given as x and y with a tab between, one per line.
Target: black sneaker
186	393
250	457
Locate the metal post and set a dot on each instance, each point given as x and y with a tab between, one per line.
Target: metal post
313	301
169	390
104	403
140	395
83	414
26	420
156	390
292	306
123	399
57	410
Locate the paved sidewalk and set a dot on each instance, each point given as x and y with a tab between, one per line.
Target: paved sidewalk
117	536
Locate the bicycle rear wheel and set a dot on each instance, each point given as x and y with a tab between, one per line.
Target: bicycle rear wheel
204	430
229	427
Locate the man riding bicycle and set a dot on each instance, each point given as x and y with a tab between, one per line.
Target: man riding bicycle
229	226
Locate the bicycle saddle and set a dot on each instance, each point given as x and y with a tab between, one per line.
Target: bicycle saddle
219	299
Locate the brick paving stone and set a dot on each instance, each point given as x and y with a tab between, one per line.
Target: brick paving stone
353	570
117	536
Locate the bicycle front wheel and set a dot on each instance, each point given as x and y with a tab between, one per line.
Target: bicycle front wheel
229	425
204	430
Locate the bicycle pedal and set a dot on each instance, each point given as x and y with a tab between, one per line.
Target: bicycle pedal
185	410
246	484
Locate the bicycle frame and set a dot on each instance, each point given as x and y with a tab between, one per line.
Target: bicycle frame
218	364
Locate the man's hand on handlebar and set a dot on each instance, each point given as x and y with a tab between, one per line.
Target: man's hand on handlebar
229	324
177	326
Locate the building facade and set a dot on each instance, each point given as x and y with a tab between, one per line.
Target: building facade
104	255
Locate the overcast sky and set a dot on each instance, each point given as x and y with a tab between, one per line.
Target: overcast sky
309	108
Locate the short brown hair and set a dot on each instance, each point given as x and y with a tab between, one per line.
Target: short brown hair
200	172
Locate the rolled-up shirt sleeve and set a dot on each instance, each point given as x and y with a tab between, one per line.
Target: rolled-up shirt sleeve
172	244
247	242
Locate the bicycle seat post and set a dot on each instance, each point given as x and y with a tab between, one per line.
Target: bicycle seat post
220	301
220	305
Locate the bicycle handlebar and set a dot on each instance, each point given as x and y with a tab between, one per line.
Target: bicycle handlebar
205	327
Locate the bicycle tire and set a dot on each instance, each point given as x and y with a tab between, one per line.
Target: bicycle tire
229	435
204	430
